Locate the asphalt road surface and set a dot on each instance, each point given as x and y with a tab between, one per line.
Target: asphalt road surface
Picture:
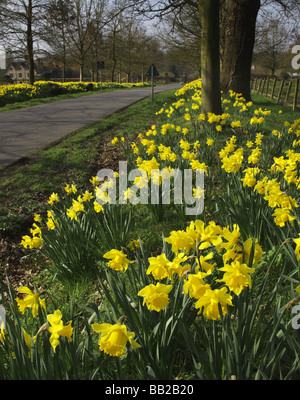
27	130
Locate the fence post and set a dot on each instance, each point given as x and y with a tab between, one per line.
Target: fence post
273	88
258	89
255	82
263	86
267	88
296	94
288	93
280	91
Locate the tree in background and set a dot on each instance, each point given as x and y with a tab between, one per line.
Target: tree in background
132	39
84	29
272	43
181	34
129	48
113	43
57	19
276	32
21	28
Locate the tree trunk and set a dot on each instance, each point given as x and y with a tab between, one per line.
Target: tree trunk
29	43
239	44
210	57
113	71
81	72
64	61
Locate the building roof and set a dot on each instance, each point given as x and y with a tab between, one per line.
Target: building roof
18	65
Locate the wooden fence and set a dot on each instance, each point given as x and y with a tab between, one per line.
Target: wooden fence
282	91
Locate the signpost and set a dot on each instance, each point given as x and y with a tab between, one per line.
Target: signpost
152	71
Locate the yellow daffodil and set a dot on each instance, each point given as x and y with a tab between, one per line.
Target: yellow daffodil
70	189
156	296
180	240
31	300
210	302
114	338
236	124
72	213
158	266
175	267
202	262
119	261
95	181
205	236
195	285
52	224
281	216
53	198
236	276
98	207
58	329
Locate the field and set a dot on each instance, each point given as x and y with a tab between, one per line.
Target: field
96	289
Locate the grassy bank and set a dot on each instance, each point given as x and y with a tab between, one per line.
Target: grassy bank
25	186
205	296
47	100
23	95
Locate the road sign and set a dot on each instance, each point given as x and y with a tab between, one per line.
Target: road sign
154	69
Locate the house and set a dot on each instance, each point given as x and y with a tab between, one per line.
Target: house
19	71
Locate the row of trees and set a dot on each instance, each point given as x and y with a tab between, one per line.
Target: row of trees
77	32
218	35
225	31
273	52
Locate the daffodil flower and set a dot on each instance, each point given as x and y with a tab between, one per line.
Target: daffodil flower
119	261
30	301
211	300
156	296
236	276
58	329
114	338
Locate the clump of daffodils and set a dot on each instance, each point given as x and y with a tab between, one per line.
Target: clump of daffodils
195	260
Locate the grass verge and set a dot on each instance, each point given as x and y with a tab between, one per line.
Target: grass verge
47	100
25	186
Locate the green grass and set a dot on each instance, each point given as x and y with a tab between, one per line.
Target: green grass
283	93
278	118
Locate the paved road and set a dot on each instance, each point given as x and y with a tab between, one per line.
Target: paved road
30	129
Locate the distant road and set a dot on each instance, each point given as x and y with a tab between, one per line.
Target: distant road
30	129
